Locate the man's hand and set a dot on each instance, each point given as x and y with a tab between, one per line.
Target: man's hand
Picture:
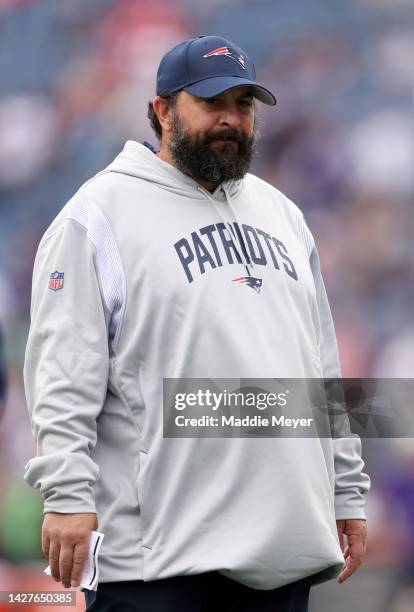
356	530
65	542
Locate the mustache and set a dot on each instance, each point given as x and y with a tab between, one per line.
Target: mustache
227	134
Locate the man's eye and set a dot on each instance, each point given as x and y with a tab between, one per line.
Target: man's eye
247	103
211	100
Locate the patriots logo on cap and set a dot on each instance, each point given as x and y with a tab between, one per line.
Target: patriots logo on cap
250	281
225	51
56	280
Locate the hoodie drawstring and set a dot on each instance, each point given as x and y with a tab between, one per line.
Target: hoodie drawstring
235	232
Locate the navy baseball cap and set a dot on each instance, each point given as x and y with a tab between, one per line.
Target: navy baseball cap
205	67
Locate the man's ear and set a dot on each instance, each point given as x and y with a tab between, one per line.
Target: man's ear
163	111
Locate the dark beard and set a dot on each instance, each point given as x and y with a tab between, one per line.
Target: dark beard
196	158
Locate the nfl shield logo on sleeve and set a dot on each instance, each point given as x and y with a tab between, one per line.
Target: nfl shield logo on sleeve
56	280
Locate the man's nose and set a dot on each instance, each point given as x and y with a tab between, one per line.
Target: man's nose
230	117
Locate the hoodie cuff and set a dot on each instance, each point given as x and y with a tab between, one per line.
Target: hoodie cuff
348	505
66	482
77	499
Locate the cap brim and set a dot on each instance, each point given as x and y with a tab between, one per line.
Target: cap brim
214	86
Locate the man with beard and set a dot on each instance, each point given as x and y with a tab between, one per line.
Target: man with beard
178	264
203	148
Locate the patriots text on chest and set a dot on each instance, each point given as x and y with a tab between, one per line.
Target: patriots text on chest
221	244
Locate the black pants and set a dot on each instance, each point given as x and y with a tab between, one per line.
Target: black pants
209	592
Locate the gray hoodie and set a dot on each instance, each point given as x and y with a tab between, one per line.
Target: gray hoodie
134	282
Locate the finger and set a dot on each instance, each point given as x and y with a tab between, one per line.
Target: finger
65	563
351	565
356	544
346	552
45	544
353	560
358	531
340	528
54	553
80	554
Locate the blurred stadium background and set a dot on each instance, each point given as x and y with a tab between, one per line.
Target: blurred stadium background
75	79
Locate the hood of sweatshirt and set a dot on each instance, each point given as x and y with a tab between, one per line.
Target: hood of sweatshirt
139	160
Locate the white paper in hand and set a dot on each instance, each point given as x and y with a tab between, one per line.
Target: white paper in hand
90	573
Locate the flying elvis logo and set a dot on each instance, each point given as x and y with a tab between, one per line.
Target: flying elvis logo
225	51
56	280
250	281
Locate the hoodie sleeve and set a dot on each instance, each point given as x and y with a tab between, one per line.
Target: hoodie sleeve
351	484
67	360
